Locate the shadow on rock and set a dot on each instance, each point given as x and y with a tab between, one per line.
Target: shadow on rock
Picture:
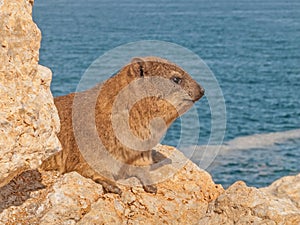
18	190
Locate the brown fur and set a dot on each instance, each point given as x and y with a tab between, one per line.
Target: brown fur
141	113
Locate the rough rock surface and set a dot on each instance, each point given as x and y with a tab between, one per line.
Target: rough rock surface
287	187
240	204
28	118
188	197
71	198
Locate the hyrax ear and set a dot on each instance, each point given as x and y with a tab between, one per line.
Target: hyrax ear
138	67
137	60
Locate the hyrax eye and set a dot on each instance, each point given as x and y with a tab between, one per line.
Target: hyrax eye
176	80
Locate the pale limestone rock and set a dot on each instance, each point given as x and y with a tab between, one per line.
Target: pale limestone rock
28	117
73	199
240	204
188	197
173	203
287	188
62	200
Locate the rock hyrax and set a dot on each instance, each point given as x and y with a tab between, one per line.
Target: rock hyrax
142	91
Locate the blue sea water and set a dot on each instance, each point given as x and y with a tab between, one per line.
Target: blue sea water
252	47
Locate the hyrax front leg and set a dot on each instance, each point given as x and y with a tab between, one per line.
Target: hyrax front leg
143	174
138	165
105	178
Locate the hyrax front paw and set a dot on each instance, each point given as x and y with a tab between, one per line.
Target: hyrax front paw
150	188
109	187
112	189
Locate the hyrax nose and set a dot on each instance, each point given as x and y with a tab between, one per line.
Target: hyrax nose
198	92
202	91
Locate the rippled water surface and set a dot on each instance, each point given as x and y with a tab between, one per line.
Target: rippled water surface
252	47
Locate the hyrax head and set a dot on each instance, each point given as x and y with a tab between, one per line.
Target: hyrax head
164	80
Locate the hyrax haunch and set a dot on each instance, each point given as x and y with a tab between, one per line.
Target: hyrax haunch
128	114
